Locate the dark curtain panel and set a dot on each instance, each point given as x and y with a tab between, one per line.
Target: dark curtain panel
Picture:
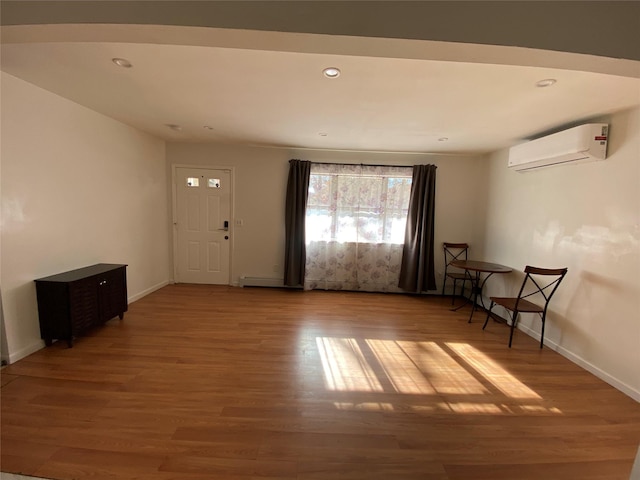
296	206
417	273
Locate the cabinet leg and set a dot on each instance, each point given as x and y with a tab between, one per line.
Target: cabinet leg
48	342
70	342
121	316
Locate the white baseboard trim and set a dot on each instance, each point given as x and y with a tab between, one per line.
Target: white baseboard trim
246	281
578	360
25	352
147	291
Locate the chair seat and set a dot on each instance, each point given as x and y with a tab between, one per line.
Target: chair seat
457	276
523	305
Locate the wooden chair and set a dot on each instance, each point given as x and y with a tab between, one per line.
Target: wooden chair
454	251
536	281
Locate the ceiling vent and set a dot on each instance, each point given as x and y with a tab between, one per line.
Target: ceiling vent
583	143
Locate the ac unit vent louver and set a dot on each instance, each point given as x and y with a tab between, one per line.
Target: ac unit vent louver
583	143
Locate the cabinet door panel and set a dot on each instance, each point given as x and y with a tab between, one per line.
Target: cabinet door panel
84	305
113	294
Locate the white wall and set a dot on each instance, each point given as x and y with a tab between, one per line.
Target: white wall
260	186
78	188
585	217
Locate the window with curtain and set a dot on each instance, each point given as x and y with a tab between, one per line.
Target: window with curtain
355	226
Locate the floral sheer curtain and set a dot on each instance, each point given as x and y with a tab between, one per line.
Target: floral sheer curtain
355	226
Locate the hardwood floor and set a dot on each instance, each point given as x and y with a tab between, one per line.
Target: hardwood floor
205	382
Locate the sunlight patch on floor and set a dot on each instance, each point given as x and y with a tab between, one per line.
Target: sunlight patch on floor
400	369
430	363
459	373
345	367
494	373
472	407
365	406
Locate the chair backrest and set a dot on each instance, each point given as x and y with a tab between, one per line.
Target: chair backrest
454	251
543	281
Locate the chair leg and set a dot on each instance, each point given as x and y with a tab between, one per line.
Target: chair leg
513	326
488	315
542	330
453	296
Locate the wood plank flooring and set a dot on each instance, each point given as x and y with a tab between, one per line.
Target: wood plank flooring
206	382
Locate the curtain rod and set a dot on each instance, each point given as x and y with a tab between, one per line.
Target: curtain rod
362	165
358	164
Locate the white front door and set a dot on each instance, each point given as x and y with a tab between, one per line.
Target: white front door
203	225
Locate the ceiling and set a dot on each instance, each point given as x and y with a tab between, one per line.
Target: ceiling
267	88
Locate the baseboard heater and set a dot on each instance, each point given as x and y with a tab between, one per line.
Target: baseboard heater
261	282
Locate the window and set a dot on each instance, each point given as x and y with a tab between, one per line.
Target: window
193	182
355	226
358	204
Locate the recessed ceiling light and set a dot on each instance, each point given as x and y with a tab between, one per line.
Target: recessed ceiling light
208	127
547	82
323	134
174	127
122	62
331	72
443	139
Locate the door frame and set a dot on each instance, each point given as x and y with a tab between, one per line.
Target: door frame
174	212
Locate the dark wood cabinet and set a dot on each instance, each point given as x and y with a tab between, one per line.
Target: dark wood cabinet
69	303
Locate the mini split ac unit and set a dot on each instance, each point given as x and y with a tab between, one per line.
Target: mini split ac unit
582	143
